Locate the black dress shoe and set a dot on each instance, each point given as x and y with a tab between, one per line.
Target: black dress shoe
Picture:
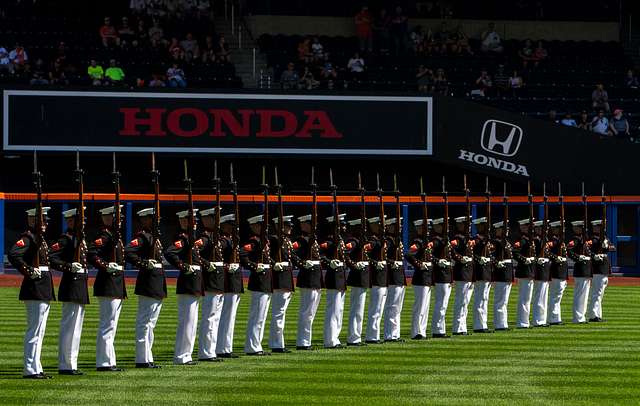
150	365
596	320
462	333
482	331
214	359
258	354
335	347
540	325
418	337
303	348
558	323
439	336
36	376
109	369
394	340
523	328
373	342
74	372
227	355
45	376
502	329
189	363
360	344
280	350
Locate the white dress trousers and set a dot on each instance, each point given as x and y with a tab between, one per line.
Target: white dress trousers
258	310
309	301
37	315
481	292
438	321
70	333
393	311
279	303
376	307
525	292
187	328
224	344
146	320
357	300
420	311
464	290
107	326
580	298
501	292
598	285
556	290
539	301
333	317
212	303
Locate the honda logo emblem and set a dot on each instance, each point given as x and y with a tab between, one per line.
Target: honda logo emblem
501	138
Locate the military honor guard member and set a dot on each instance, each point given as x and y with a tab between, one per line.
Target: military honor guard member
420	257
106	254
69	256
540	296
502	277
483	253
601	268
211	257
252	257
283	286
29	255
144	253
559	272
524	255
396	282
462	275
580	252
378	273
233	288
332	254
310	283
442	277
357	260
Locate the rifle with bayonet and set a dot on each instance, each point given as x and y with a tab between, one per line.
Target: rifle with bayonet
383	229
604	245
117	254
445	227
585	233
338	242
544	238
399	254
506	254
80	254
216	252
39	225
264	230
486	251
426	237
235	236
314	248
156	252
363	256
467	231
532	246
191	218
280	225
562	252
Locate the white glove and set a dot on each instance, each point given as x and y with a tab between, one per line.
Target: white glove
308	264
76	267
561	260
543	261
191	269
529	260
605	244
444	263
214	266
152	264
397	264
280	266
380	265
35	273
361	265
261	268
600	257
334	264
503	264
584	258
426	266
113	267
234	267
465	260
484	260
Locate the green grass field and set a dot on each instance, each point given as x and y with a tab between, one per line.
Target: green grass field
594	364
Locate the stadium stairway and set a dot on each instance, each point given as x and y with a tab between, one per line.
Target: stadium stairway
241	47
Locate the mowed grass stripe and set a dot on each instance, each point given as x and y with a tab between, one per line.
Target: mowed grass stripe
568	364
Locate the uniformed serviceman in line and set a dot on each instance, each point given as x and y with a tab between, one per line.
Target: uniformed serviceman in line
310	284
420	257
282	284
73	292
357	260
332	257
559	272
30	257
502	277
580	252
233	287
189	289
442	277
396	282
260	284
483	254
378	274
462	275
601	268
109	287
144	253
524	255
212	260
540	296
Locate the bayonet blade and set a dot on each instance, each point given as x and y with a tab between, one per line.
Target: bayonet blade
231	172
275	172
331	177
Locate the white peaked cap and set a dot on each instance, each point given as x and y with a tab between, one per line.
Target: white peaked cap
596	222
460	219
306	217
538	223
354	222
577	223
34	211
375	219
146	212
480	220
524	221
185	213
285	219
392	221
70	213
499	224
255	219
227	218
208	212
438	221
108	210
420	222
341	216
555	223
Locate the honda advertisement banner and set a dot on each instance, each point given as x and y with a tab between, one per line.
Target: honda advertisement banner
216	122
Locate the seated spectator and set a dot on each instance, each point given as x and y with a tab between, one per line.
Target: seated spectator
156	33
460	44
175	50
328	73
109	34
304	51
189	44
501	81
142	34
57	75
631	81
5	62
381	31
222	50
125	32
317	49
484	84
209	50
526	53
600	98
417	40
176	76
114	75
619	125
364	32
38	77
157	81
583	122
553	116
568	120
442	35
424	78
440	83
308	81
600	124
289	78
516	83
491	41
96	73
540	54
399	29
18	58
356	66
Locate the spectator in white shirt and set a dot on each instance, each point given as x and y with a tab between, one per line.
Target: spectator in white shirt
18	57
317	49
600	124
356	66
568	120
5	63
176	77
491	41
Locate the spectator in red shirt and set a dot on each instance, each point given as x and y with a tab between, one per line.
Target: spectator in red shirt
109	34
363	30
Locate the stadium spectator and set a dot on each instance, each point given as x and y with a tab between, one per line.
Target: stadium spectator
424	78
460	42
381	31
114	75
619	125
109	34
317	49
175	50
583	122
156	33
289	79
442	36
328	74
491	41
208	50
526	53
600	124
222	51
96	73
57	75
190	45
363	30
568	120
540	54
38	77
484	84
125	32
157	81
399	30
5	63
308	81
501	81
304	51
176	76
600	98
356	66
440	83
631	81
19	58
516	83
553	117
142	34
417	38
